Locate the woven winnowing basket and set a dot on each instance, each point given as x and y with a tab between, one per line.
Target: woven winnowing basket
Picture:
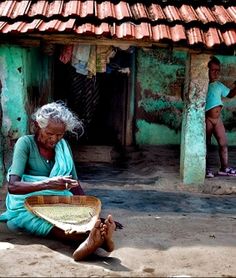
32	203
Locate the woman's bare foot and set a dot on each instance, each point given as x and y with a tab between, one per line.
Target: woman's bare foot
109	227
92	243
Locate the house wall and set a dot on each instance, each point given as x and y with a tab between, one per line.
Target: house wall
160	82
159	87
22	73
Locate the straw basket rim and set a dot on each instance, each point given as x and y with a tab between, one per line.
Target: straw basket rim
76	200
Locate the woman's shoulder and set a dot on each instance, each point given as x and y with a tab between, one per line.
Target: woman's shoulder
25	140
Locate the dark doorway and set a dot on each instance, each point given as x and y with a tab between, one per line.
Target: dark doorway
100	101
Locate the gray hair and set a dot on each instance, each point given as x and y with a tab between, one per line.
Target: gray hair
58	112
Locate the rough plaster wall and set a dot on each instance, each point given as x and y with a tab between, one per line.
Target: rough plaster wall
38	79
14	121
160	81
25	77
193	146
14	117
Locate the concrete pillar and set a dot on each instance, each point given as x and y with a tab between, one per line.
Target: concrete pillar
193	144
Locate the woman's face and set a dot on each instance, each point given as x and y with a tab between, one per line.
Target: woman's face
49	136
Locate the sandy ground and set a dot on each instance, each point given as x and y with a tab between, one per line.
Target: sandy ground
170	230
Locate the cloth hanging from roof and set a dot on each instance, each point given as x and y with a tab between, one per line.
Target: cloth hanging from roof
92	61
66	54
87	59
104	53
80	58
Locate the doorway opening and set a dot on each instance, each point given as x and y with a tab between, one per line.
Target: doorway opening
100	101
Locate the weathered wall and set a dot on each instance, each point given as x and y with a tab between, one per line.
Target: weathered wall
24	74
159	85
160	81
13	97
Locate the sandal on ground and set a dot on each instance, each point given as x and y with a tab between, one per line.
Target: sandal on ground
209	174
229	171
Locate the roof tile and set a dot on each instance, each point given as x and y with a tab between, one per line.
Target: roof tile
229	37
222	15
195	36
172	13
122	10
20	8
6	8
161	32
177	33
188	13
206	24
212	37
70	8
156	12
205	15
54	7
232	12
29	27
86	8
104	10
37	8
139	11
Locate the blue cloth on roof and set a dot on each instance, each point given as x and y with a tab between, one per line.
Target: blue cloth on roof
20	218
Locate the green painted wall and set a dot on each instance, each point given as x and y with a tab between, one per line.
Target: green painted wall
160	82
25	78
13	97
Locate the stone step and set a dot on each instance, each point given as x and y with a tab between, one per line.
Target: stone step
92	153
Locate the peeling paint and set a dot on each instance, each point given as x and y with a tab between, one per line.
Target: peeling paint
23	72
155	134
161	75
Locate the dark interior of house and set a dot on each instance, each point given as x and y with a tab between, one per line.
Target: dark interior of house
99	101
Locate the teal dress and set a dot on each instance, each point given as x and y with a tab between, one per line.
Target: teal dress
31	166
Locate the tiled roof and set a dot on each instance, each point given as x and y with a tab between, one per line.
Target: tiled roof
201	23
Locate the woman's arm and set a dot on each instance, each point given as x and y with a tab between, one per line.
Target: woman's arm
16	186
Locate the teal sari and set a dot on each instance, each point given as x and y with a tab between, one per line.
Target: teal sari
17	217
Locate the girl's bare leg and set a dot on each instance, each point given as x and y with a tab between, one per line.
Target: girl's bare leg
209	132
220	135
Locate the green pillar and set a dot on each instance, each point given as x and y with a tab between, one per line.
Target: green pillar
193	144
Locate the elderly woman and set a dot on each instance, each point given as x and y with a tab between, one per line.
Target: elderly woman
42	165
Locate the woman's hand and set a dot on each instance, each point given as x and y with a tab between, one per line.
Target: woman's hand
16	186
62	182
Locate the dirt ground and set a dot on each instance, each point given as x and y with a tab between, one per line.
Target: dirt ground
170	229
